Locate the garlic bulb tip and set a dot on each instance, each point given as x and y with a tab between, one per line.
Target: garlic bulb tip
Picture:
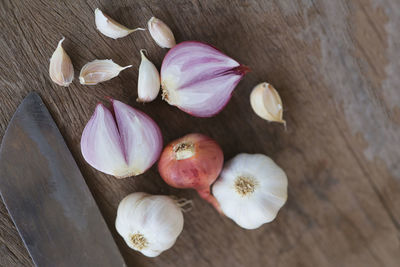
81	80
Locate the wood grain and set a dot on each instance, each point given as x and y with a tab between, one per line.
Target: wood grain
336	65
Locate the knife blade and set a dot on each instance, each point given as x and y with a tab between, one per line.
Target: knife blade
46	195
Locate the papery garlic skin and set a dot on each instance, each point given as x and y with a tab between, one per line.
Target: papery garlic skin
161	33
149	224
198	78
99	70
148	81
124	146
251	190
61	70
110	27
266	102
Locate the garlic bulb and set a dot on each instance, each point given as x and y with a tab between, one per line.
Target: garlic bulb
161	33
149	224
61	70
251	190
148	81
266	102
99	71
110	27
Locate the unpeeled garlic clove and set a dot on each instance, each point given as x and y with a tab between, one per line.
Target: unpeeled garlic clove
161	33
110	27
266	103
148	81
61	70
99	71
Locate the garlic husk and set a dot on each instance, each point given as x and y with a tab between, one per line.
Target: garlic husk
161	33
199	79
61	70
251	190
100	70
149	224
110	27
125	145
266	102
148	81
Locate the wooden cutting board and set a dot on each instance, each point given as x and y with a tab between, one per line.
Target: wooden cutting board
336	66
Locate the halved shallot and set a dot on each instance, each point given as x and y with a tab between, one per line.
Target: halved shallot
123	145
198	78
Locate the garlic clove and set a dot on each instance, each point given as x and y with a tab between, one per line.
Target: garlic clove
61	70
149	224
140	137
251	190
124	146
101	145
266	102
161	33
199	79
148	81
99	71
110	27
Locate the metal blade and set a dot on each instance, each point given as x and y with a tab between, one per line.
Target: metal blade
47	197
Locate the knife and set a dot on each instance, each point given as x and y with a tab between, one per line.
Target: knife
46	195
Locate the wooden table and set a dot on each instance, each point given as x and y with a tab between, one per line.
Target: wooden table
336	65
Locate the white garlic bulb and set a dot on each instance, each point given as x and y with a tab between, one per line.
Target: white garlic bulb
148	80
251	190
149	224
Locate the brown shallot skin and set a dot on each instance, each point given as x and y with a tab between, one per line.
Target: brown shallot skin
193	161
